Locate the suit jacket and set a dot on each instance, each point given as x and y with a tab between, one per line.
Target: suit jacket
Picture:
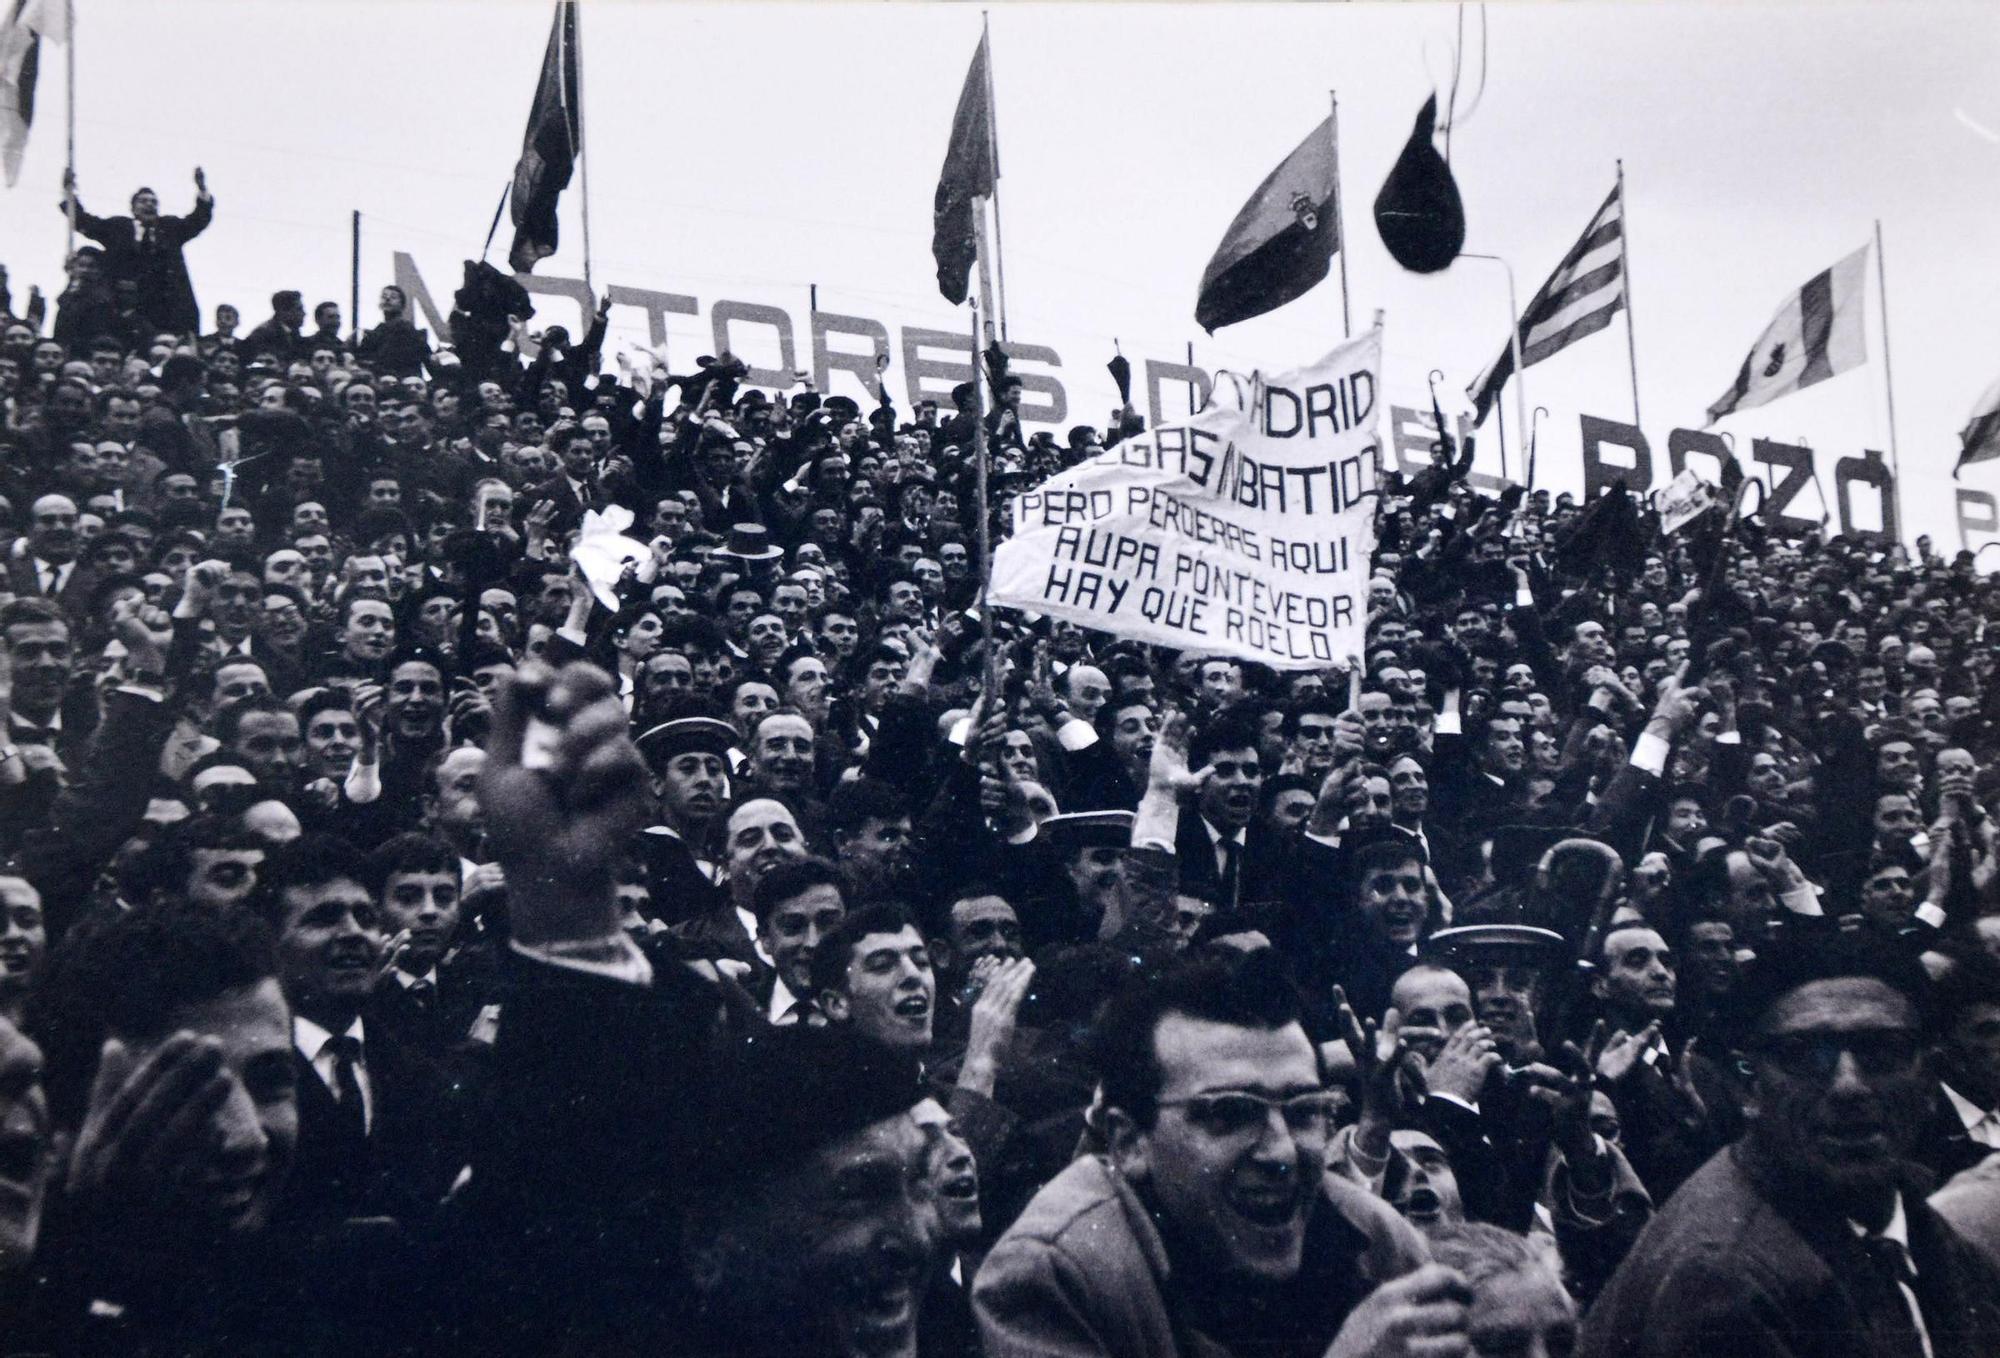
407	1161
154	262
1740	1263
566	1238
1942	1145
1259	871
26	580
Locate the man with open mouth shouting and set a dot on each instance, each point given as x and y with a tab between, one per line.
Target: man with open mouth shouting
1211	1226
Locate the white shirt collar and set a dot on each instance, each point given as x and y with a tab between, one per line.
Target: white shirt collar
1897	1230
782	999
311	1039
410	982
1969	1113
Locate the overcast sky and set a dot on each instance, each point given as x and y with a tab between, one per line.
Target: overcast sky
749	151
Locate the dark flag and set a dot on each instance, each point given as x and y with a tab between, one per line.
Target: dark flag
550	149
1582	295
1281	243
1979	441
971	168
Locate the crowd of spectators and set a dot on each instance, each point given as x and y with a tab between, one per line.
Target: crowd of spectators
409	945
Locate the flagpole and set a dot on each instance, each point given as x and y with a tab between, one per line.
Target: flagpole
69	101
1625	249
582	142
1888	378
354	279
1339	215
1514	346
985	515
993	129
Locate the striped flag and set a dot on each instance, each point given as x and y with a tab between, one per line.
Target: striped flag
1817	332
28	22
1979	441
1582	295
549	149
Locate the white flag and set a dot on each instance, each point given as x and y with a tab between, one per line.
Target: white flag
1817	332
1244	532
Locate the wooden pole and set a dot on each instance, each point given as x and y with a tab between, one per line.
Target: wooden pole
69	102
1888	375
582	142
354	279
1625	271
1339	215
993	127
985	512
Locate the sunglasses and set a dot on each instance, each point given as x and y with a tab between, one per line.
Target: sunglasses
1877	1051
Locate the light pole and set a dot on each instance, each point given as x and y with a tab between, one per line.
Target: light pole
1514	342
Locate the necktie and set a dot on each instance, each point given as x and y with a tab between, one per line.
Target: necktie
1232	867
1890	1270
353	1114
424	991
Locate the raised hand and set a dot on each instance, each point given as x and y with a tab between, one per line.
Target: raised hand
1419	1315
1464	1063
200	182
147	1119
1617	1057
992	1023
562	788
1167	770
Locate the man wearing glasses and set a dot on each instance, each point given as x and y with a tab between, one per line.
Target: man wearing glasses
1811	1234
1210	1225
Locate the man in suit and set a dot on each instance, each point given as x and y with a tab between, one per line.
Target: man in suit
47	566
574	488
369	1107
1224	856
278	335
1964	1123
432	988
145	250
44	711
1808	1235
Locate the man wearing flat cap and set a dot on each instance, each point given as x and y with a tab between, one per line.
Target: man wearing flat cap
1809	1235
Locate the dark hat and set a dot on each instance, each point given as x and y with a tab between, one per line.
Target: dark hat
1368	836
841	407
1803	954
705	734
784	1093
750	542
807	401
1089	830
752	397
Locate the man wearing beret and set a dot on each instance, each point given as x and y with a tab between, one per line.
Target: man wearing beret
1810	1234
